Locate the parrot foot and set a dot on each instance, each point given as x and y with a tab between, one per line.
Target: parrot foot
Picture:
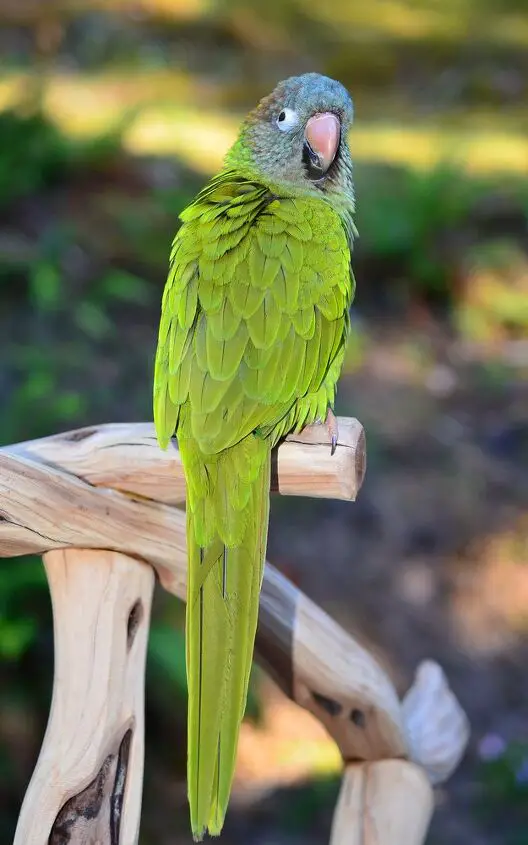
333	430
331	426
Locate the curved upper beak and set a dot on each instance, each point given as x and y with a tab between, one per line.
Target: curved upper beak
323	132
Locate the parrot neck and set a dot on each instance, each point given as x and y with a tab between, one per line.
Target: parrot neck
337	192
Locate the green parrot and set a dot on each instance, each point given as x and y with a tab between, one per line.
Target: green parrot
254	321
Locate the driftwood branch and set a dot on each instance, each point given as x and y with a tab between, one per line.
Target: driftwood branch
127	457
44	507
389	802
111	488
87	784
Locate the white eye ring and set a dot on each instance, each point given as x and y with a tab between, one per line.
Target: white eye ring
287	119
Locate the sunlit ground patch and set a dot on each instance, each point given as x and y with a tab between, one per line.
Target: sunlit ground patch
166	114
289	745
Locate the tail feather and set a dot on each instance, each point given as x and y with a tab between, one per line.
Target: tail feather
225	576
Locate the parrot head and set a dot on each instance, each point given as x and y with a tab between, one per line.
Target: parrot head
297	136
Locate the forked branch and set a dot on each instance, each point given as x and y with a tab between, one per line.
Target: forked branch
110	488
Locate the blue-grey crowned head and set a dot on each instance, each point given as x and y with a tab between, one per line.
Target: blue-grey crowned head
298	133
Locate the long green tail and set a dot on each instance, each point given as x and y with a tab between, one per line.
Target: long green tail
227	524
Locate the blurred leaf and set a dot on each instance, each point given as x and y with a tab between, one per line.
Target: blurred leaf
19	576
305	805
45	286
125	287
39	384
16	635
504	781
70	404
33	153
167	651
92	319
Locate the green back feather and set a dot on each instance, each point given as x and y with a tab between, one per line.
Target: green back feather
251	341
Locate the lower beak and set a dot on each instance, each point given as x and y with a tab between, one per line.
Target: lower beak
323	133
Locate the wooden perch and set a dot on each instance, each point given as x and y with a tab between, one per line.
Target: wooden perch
127	457
55	494
87	784
385	803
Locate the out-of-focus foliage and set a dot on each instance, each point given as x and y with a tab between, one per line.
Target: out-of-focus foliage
496	291
33	155
503	775
113	114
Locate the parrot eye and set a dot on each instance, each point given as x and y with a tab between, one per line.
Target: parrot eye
287	119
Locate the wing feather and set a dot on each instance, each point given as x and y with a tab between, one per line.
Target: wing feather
254	313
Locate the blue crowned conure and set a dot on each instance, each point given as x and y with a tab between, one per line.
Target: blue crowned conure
254	323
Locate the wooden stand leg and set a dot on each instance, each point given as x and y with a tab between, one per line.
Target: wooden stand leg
87	784
387	802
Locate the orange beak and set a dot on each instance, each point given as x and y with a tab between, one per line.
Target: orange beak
323	132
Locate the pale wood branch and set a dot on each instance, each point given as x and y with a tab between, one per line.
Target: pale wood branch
388	802
314	660
87	784
344	687
127	457
437	729
44	508
55	494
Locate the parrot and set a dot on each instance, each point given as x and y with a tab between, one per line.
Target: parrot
252	335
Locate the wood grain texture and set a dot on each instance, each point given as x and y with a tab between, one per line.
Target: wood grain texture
388	802
127	457
87	784
44	508
313	659
111	488
436	727
296	639
276	626
345	688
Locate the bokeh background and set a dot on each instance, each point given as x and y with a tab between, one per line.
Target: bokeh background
113	114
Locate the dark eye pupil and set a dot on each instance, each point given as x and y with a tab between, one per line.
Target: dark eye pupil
282	116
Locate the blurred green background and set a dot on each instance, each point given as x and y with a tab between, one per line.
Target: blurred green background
113	113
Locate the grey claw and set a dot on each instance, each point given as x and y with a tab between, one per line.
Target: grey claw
334	444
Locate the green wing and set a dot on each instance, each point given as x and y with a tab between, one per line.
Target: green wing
254	312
